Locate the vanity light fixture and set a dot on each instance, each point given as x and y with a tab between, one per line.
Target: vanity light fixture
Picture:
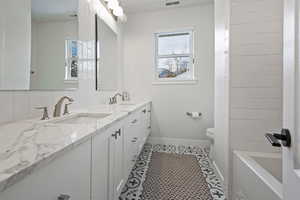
118	11
115	7
113	4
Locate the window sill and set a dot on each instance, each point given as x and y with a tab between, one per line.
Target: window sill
179	82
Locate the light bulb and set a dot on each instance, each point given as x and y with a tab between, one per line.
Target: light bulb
118	11
112	4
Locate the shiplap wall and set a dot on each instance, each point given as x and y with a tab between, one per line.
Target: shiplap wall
248	78
256	32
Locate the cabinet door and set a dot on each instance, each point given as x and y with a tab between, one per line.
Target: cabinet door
149	111
100	167
130	144
116	163
66	175
144	126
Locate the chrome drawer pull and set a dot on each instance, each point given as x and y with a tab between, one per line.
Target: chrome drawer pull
118	132
64	197
115	135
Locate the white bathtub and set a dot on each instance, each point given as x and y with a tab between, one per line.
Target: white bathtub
257	176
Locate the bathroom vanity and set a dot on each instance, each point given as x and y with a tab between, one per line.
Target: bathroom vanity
85	155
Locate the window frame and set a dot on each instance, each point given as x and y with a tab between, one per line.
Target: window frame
190	55
69	59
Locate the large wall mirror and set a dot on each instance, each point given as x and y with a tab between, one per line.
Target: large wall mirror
107	70
39	44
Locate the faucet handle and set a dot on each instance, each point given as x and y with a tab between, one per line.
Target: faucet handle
66	110
125	96
45	112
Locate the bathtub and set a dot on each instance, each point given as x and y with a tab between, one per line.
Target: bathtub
257	176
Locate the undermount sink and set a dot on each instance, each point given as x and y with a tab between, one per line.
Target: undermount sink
82	118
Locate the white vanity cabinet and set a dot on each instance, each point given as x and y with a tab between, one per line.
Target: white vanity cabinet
131	141
107	175
145	125
94	170
136	131
100	166
66	177
116	162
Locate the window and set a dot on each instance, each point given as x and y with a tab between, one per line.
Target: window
174	57
71	60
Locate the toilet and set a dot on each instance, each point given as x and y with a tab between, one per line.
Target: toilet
210	133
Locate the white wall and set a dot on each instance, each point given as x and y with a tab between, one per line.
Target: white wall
17	105
171	102
222	80
15	44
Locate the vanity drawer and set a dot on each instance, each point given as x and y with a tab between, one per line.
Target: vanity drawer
66	176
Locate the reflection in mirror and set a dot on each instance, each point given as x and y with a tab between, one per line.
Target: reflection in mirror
107	57
38	44
54	44
14	44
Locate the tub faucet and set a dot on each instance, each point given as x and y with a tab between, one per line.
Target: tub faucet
57	108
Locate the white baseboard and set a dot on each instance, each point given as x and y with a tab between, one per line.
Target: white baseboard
221	177
218	171
177	141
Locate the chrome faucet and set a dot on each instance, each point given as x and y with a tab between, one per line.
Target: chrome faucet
113	100
45	112
57	108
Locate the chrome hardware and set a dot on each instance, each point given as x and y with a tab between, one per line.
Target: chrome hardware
144	111
66	110
115	135
64	197
134	121
125	96
134	140
114	100
284	136
191	115
45	112
118	132
57	108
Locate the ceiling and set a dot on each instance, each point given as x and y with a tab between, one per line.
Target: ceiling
47	9
133	6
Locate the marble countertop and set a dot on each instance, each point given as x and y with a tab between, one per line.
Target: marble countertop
28	144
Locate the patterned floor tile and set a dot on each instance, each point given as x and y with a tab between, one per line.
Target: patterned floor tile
133	190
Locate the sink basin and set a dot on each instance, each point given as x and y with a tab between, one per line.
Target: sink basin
83	118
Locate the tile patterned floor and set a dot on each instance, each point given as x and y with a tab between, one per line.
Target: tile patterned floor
134	187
